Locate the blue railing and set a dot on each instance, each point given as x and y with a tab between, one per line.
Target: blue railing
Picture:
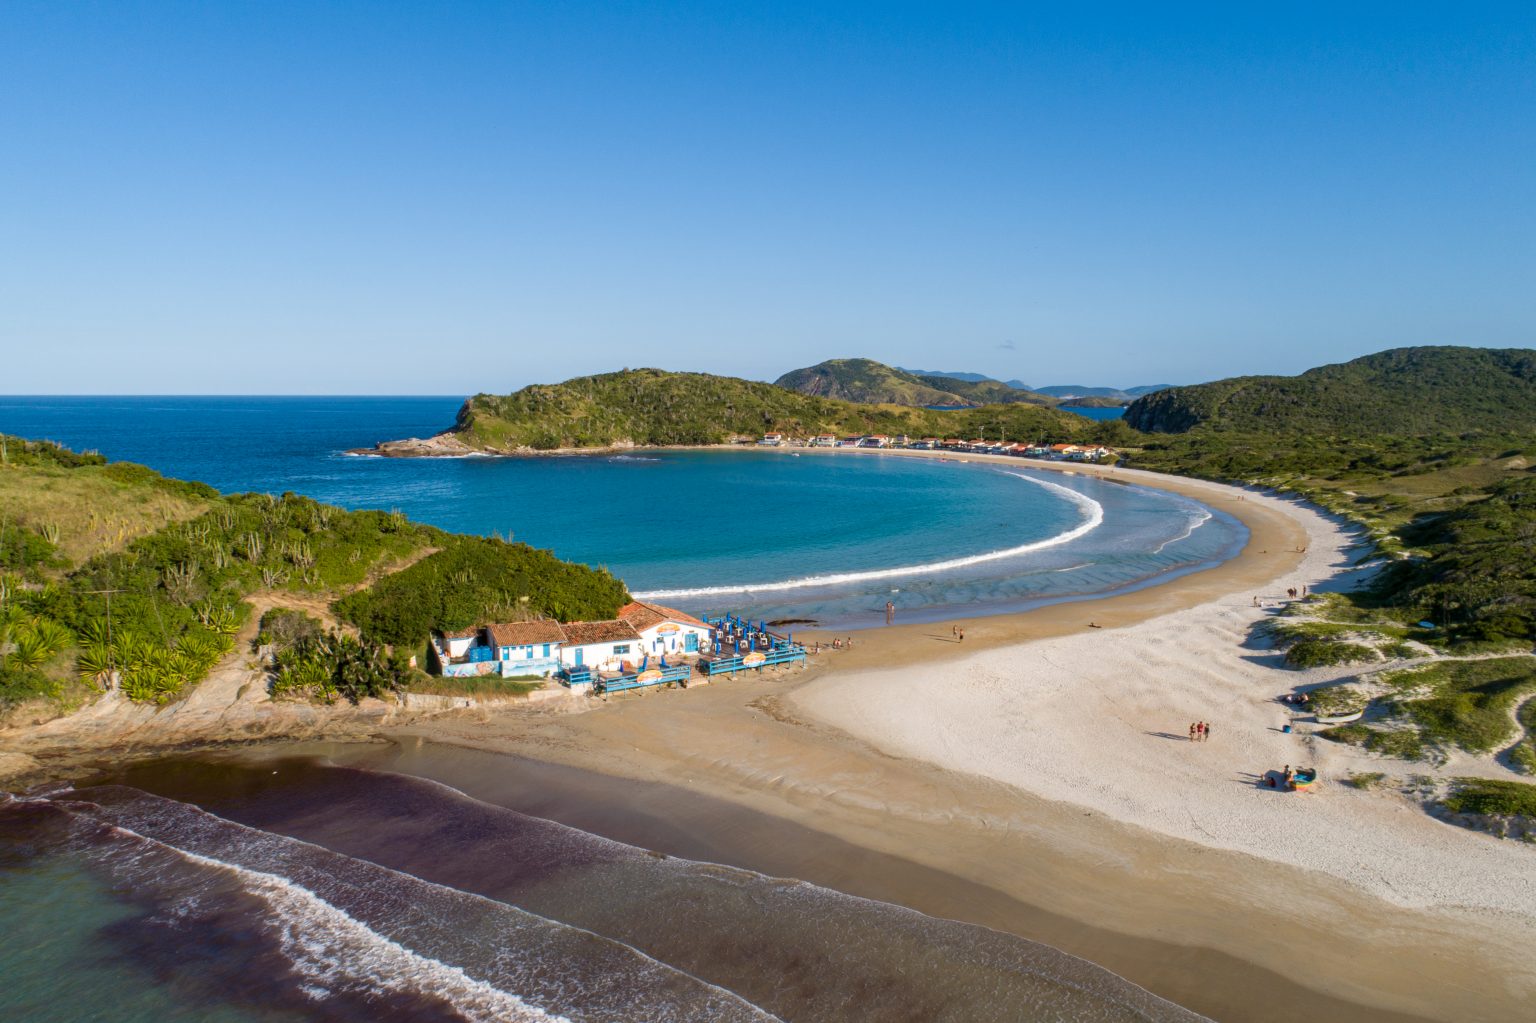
786	653
584	675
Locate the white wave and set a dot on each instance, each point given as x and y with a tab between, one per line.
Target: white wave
331	948
1197	518
1093	517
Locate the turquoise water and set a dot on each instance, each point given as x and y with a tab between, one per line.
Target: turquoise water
828	536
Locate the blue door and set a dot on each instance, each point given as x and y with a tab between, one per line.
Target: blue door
691	643
578	657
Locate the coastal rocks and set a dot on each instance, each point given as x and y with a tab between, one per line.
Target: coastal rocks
441	445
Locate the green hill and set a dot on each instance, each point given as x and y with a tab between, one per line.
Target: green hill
656	408
873	383
988	392
1402	392
174	563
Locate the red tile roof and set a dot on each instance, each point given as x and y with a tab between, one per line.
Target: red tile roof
643	615
582	633
525	633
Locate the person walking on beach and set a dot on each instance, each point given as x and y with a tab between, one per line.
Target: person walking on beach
1207	731
954	633
960	633
1256	602
1193	728
890	612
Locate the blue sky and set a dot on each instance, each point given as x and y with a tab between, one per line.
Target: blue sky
449	198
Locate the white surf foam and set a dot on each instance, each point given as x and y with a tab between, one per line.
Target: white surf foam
330	948
1093	517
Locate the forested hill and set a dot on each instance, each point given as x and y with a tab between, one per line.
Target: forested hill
875	383
868	382
656	408
1404	392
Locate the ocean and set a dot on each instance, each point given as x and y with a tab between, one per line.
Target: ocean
824	536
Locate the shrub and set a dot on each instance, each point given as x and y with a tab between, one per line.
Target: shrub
1483	796
1320	653
474	580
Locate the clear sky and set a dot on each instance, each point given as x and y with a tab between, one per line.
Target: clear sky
327	197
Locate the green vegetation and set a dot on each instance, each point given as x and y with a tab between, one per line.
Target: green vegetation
1494	798
1466	704
874	383
474	580
478	685
1337	700
1469	704
1403	744
1522	756
985	392
649	407
1405	392
312	662
173	563
1323	653
1365	780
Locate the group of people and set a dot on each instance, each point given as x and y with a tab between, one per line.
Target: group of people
1293	592
1200	731
958	633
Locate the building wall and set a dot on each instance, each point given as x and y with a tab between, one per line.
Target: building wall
657	641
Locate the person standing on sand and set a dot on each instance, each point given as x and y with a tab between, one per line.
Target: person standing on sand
1255	601
960	633
1205	731
890	612
1192	729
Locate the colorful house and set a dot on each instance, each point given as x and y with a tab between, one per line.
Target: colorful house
641	631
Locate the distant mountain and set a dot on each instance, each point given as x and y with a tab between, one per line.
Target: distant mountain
974	378
1403	392
1085	391
988	392
871	382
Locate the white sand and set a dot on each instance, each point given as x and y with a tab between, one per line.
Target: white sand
1101	719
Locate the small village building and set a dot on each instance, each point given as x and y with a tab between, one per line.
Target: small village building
607	646
666	630
824	440
527	648
878	440
772	440
458	642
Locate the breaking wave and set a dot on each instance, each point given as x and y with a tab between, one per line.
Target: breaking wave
1093	517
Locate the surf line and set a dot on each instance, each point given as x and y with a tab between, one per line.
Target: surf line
1093	517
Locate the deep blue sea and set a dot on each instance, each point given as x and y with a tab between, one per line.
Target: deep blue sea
828	536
